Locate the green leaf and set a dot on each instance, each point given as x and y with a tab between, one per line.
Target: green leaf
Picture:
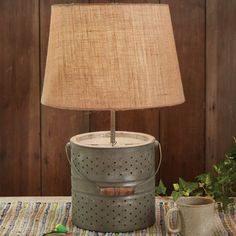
186	193
191	186
201	185
208	180
221	184
198	193
187	186
216	169
176	187
161	188
176	195
201	178
182	184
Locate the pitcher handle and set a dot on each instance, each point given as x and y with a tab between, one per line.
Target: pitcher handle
167	220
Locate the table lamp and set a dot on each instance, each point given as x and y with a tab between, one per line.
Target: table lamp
112	57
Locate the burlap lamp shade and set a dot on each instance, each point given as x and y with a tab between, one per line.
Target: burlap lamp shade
111	57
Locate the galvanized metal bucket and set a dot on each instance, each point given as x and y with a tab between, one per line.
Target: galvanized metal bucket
113	187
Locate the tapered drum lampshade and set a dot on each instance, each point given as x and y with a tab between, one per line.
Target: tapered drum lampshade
111	57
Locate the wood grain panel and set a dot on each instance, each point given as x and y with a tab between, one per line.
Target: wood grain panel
182	127
19	98
99	121
221	79
146	121
57	126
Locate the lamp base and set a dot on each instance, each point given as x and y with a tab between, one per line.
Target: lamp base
113	187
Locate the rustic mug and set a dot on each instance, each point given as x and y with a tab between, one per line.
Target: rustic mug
195	216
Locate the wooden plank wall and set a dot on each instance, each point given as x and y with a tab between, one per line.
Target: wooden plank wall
220	78
19	98
193	135
182	127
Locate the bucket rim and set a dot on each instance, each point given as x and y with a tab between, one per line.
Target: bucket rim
142	139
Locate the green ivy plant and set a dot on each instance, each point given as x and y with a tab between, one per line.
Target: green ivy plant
161	189
219	184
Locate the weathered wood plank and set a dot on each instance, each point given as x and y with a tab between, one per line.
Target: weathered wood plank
220	79
183	127
19	98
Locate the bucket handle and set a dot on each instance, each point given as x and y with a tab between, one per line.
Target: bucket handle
115	191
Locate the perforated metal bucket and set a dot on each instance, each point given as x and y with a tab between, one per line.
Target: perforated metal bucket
113	186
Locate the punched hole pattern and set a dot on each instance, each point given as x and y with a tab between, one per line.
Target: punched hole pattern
140	165
95	213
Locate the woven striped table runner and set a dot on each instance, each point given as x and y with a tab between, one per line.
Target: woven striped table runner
36	216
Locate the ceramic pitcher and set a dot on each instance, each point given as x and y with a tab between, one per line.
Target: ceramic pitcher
195	216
